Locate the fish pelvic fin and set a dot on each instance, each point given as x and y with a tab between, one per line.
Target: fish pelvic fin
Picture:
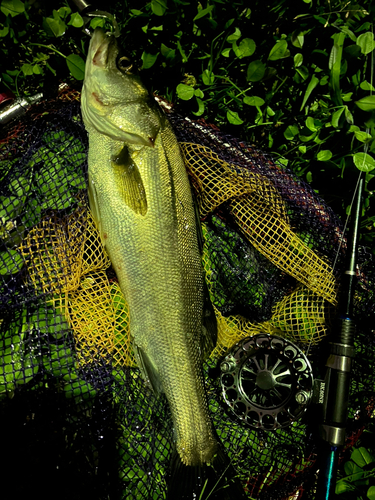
129	181
148	370
214	481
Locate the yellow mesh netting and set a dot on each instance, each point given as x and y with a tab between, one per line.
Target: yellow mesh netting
300	316
261	216
58	251
122	349
99	317
91	316
94	258
98	313
72	268
272	236
53	252
216	181
65	257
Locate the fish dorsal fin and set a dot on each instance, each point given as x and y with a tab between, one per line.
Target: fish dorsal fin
129	181
148	370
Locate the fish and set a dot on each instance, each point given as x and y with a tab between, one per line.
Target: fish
141	201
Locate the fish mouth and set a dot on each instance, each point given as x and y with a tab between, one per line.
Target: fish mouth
104	47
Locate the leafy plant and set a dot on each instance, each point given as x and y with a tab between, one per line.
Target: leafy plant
29	53
295	78
23	356
359	479
300	86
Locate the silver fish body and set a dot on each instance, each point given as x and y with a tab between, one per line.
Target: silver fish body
140	197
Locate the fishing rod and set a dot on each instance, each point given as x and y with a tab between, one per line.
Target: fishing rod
336	384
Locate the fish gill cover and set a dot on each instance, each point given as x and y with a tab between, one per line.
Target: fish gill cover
77	416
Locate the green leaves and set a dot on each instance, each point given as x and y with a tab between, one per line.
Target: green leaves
296	90
21	356
279	51
54	26
366	103
235	36
324	155
208	77
298	60
311	86
335	66
78	389
291	132
255	71
310	124
76	20
364	162
348	115
158	7
185	92
359	472
76	66
12	7
201	108
246	48
51	178
168	53
366	86
253	101
362	136
366	42
203	13
148	60
361	457
27	69
4	31
233	118
298	39
336	117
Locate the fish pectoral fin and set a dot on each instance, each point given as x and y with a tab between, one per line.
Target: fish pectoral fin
129	181
94	207
209	326
148	369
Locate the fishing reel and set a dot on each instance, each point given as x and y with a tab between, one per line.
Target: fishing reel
267	381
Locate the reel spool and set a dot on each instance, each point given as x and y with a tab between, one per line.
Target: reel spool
267	381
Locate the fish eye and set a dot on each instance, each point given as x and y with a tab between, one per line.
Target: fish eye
124	64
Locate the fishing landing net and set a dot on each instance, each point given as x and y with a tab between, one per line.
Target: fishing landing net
77	420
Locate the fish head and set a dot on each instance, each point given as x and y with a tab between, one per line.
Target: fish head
114	100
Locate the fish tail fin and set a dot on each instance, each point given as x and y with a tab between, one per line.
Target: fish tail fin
214	481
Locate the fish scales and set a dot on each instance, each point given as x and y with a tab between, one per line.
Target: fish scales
153	249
